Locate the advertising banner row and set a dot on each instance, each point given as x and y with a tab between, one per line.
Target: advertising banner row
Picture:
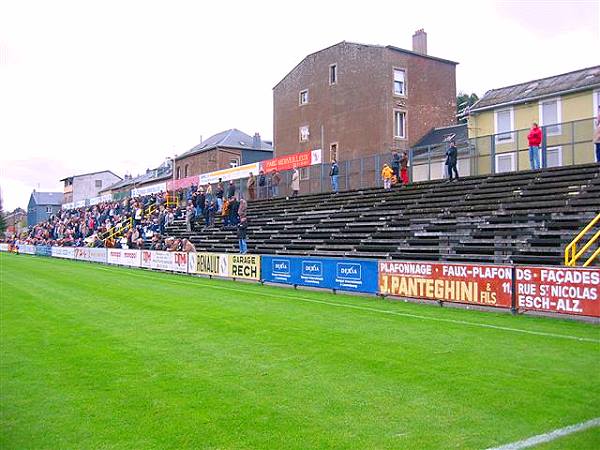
562	290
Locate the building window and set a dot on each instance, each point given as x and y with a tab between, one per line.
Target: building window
399	82
550	116
504	125
234	162
179	173
304	133
332	74
49	209
98	184
304	97
185	171
305	173
399	124
553	156
333	151
505	162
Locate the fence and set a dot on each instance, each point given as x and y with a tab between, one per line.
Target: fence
563	144
559	290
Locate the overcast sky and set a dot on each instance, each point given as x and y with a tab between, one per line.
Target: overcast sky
121	85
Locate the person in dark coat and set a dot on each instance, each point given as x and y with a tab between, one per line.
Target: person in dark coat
451	161
243	234
231	189
396	165
233	211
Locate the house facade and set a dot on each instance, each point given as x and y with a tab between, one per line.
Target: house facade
78	188
42	205
563	105
230	148
355	100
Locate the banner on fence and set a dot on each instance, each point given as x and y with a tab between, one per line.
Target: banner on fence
173	261
244	266
215	264
3	247
147	190
173	185
26	249
63	252
330	273
43	250
562	290
91	254
233	173
70	205
100	199
486	285
122	257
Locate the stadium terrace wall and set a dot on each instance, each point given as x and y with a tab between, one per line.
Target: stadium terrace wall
557	290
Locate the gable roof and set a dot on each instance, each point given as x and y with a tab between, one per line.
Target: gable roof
441	135
162	172
47	198
232	138
389	47
565	83
91	173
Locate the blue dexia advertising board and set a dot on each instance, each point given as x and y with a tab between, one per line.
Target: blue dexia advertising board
330	273
43	250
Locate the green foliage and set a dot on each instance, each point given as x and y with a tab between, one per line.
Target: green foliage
94	356
463	103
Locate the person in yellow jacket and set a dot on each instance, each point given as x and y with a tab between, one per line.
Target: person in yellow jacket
386	174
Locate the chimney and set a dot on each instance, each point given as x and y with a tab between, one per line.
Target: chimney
420	42
256	142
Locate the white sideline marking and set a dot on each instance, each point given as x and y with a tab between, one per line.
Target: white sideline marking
384	311
552	435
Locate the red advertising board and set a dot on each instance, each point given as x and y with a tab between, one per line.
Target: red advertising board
478	284
564	290
287	162
173	185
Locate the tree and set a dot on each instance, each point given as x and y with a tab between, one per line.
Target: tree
2	220
464	102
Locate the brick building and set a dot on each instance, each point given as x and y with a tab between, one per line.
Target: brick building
356	100
229	148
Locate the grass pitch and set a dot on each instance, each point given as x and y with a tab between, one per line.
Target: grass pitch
94	356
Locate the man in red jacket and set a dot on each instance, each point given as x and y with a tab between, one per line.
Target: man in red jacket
535	139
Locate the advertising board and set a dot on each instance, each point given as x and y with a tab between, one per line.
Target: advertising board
90	254
480	284
122	257
63	252
329	273
564	290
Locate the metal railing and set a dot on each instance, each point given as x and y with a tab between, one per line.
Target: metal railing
564	144
572	255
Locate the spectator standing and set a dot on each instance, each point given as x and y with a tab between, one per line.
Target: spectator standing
211	211
295	182
242	209
242	235
275	180
404	168
189	216
262	185
200	204
219	193
231	189
535	139
225	212
386	175
334	173
251	185
396	162
233	211
451	161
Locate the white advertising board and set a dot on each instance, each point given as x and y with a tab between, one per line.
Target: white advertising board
63	252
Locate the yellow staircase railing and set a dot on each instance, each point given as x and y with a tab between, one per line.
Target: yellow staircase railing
571	252
119	229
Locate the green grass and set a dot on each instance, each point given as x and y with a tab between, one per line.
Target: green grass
94	356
